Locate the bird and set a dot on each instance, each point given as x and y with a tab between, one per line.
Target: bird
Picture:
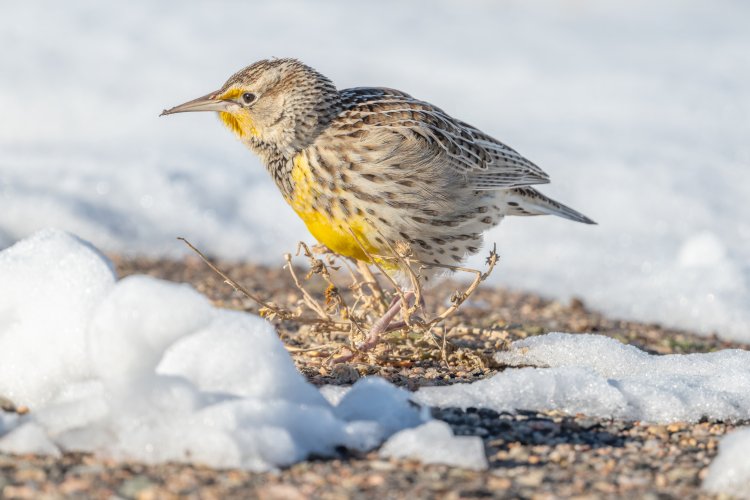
370	169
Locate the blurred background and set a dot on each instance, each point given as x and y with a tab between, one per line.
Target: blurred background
639	111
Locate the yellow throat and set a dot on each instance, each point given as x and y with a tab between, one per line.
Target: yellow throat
238	122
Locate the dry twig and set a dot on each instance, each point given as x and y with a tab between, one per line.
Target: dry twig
333	313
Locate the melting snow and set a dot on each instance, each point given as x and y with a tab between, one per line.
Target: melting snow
729	473
434	443
599	376
148	370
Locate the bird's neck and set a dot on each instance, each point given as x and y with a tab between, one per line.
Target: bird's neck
278	163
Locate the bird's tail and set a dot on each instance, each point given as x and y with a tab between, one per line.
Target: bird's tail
529	201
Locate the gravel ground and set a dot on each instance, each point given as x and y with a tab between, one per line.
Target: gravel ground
532	455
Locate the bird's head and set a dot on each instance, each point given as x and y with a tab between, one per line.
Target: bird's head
281	102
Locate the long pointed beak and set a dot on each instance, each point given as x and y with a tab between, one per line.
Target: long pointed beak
208	102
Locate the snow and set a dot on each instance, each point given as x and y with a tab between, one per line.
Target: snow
7	421
148	370
599	376
144	369
29	438
638	110
51	284
434	443
729	473
226	356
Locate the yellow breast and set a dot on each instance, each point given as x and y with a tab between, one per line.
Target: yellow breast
345	235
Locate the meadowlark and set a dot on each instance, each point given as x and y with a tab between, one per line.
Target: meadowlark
370	168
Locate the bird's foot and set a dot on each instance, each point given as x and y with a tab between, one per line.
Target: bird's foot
381	326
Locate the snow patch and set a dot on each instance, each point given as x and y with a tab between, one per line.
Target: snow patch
148	370
28	439
334	393
50	285
599	376
434	443
225	357
729	473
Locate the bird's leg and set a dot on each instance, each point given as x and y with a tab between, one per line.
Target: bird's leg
381	325
398	325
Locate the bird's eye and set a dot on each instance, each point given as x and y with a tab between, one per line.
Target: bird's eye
248	97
